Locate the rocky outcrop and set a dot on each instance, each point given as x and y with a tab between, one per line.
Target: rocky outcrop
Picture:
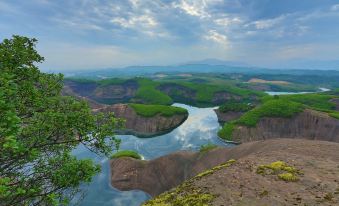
314	164
317	160
108	94
336	102
114	93
143	126
178	92
222	97
309	124
227	116
67	91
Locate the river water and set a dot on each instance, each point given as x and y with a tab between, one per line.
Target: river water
200	128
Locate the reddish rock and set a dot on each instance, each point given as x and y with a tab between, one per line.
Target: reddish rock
227	116
318	160
222	97
143	126
336	102
309	124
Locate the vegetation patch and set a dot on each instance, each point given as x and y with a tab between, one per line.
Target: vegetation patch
270	108
216	168
273	108
152	110
227	131
207	147
281	170
334	115
148	93
186	194
233	106
205	92
126	153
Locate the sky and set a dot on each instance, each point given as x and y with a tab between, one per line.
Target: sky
92	34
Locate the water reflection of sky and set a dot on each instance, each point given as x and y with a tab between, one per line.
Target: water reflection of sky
321	89
200	128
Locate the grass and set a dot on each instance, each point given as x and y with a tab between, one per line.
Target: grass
207	147
126	153
111	81
273	108
227	131
270	108
152	110
206	92
148	93
235	107
315	101
334	115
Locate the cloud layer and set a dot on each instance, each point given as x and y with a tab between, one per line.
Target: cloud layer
88	34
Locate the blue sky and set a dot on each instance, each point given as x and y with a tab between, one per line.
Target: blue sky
89	34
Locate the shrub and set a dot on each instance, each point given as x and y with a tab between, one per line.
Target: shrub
126	153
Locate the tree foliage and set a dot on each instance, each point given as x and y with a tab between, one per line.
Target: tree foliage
39	128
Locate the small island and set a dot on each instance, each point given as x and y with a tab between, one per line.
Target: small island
147	120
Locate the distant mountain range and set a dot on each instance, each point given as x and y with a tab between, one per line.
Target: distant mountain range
310	64
327	68
218	62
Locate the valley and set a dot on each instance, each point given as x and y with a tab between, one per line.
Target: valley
242	112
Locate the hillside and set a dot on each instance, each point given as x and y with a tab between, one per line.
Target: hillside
146	120
308	116
273	172
182	89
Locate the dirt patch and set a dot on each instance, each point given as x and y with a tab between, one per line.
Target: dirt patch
262	81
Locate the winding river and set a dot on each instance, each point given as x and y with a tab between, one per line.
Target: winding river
200	128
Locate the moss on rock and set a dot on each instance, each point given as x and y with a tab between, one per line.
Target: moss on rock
186	194
281	169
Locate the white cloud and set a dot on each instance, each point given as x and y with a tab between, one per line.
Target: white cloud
135	22
335	7
227	21
79	25
197	8
268	23
213	35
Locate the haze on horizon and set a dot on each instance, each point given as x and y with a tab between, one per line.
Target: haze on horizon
89	34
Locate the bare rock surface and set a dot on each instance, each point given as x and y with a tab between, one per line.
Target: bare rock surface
318	183
240	184
227	116
222	97
336	102
309	124
143	126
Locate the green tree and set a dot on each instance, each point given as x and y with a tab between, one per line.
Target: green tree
39	128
